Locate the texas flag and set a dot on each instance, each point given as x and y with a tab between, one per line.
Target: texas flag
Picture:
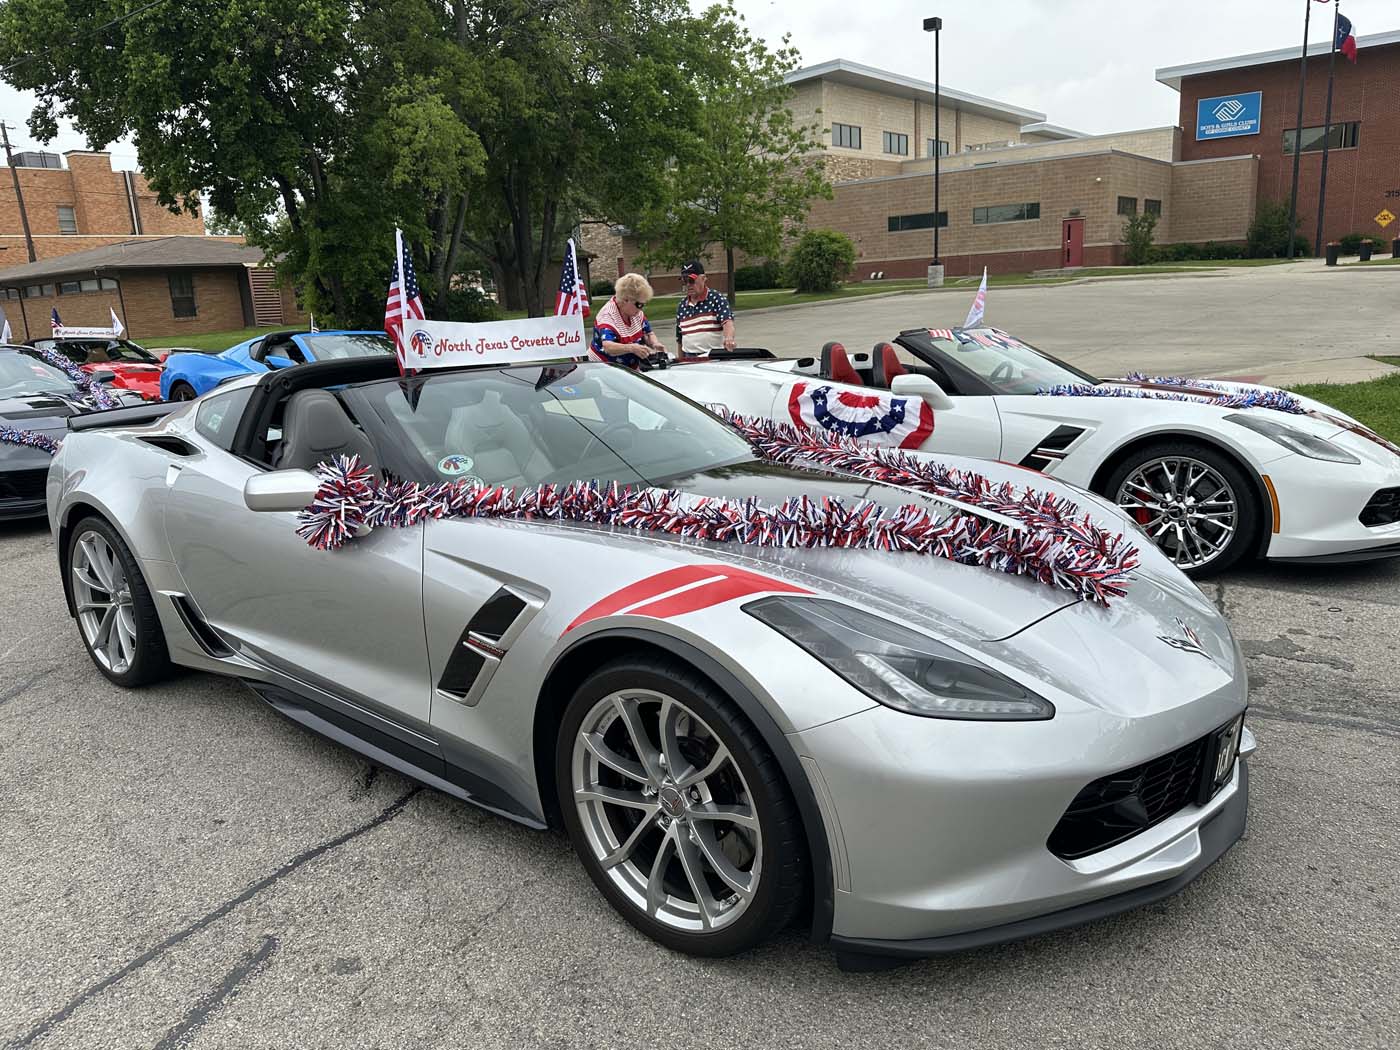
1346	39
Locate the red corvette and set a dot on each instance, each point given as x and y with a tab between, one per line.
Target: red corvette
134	367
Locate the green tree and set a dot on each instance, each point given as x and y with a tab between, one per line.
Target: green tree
820	261
1267	237
1137	239
745	180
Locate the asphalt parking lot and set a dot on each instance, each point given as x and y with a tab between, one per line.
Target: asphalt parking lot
182	867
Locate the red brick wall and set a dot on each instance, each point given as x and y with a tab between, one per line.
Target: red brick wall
1358	180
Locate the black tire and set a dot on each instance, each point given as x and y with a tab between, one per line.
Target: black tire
182	391
150	659
782	882
1248	514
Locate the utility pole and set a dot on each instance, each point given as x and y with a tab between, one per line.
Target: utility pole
1298	136
19	194
1326	131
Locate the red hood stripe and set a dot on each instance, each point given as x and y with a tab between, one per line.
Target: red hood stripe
696	587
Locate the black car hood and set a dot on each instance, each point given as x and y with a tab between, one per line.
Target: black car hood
40	412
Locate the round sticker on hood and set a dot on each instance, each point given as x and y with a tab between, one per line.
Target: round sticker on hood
455	464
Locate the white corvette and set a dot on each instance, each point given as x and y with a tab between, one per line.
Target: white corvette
1212	471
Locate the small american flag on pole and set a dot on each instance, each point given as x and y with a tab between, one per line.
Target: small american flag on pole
573	296
54	322
404	303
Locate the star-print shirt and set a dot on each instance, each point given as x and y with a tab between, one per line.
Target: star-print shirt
612	328
700	326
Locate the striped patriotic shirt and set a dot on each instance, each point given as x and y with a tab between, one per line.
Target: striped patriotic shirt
700	326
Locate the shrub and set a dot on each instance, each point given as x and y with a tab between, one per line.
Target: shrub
600	289
1137	239
1268	232
753	278
1351	243
820	261
471	304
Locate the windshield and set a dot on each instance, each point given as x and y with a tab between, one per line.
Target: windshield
341	347
22	374
100	351
543	425
1006	364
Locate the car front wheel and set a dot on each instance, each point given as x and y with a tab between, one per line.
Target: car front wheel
679	813
1193	501
116	616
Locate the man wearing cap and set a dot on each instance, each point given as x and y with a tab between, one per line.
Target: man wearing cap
704	320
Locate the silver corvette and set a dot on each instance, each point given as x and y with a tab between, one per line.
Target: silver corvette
907	754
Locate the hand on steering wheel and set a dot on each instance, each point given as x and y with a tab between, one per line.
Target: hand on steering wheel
1001	372
602	438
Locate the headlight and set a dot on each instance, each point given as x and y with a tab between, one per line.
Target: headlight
1292	438
898	667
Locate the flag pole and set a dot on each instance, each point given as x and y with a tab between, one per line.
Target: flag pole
1327	125
1298	132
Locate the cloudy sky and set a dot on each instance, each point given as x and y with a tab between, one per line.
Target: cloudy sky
1086	64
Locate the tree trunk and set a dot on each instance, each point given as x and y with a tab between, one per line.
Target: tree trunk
729	261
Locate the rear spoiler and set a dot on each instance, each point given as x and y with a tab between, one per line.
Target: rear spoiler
742	353
132	416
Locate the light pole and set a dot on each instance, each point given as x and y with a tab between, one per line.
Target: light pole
935	270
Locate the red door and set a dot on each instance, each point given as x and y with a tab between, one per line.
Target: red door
1072	243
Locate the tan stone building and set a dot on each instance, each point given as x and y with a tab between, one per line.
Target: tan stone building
1016	193
158	286
80	206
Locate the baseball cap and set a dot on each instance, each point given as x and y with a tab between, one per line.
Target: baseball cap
694	268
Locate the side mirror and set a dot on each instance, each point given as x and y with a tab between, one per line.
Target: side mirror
911	384
280	490
103	375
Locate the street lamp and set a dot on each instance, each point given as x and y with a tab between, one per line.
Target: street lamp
935	270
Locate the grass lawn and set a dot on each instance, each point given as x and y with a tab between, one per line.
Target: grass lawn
1375	262
1375	402
213	343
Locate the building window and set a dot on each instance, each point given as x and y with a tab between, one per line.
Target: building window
1151	207
67	219
11	293
107	284
38	291
1127	205
1343	136
942	147
847	135
896	143
1005	213
919	221
69	287
182	295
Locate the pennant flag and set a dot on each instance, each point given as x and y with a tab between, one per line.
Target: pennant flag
314	329
979	304
404	304
117	328
1346	39
573	296
54	322
5	334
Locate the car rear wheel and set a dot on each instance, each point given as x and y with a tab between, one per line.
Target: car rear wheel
1193	501
679	813
182	391
116	615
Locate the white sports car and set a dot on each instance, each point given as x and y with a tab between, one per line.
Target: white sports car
1212	471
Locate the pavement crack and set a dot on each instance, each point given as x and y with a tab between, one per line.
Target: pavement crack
1380	729
208	919
1284	648
208	1004
18	690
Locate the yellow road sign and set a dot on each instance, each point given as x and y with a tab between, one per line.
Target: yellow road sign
1385	218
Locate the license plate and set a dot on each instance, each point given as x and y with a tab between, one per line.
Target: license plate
1223	749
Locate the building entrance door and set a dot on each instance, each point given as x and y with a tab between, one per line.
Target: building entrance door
1072	243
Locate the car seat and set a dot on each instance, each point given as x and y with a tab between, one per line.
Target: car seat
836	366
491	432
315	429
885	365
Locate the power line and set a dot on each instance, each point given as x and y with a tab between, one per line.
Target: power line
106	25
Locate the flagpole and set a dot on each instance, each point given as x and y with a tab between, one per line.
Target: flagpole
1327	125
1298	132
403	300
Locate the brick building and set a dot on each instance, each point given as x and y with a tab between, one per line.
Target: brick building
158	286
1363	162
82	206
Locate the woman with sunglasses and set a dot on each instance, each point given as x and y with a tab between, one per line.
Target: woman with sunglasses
622	334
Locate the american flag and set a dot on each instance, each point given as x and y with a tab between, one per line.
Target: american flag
404	302
54	322
940	333
573	296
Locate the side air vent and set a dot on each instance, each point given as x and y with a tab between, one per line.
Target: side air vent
208	638
482	646
175	446
1052	448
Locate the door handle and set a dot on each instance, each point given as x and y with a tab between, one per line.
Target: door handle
172	474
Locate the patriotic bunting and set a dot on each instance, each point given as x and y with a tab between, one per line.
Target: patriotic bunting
1178	388
874	418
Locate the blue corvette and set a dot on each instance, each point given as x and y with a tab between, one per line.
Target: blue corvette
186	376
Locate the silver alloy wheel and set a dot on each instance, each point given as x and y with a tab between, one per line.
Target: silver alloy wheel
102	595
666	811
1184	505
183	392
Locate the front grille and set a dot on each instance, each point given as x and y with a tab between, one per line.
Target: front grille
23	484
1117	807
1383	508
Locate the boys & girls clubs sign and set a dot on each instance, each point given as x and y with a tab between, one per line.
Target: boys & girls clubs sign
1228	116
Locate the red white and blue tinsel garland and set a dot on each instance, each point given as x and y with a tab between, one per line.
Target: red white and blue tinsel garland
1198	391
92	393
28	439
1052	545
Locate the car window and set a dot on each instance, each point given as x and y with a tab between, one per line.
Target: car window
344	347
218	414
1004	363
22	374
551	425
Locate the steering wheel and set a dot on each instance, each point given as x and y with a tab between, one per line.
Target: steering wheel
602	438
1005	370
658	360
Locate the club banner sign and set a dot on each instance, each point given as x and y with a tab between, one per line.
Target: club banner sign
1228	116
452	344
871	419
74	332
